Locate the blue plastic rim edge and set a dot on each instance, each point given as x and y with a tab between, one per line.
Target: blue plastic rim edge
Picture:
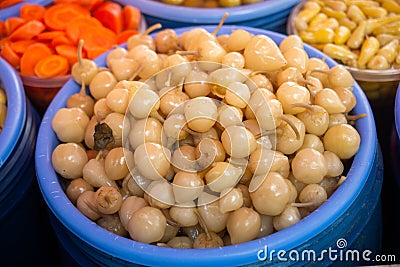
140	253
397	112
213	15
16	110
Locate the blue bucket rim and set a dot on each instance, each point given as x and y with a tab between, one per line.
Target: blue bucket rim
16	110
212	15
244	253
397	111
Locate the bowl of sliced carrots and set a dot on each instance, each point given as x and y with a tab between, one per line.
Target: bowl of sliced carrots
41	43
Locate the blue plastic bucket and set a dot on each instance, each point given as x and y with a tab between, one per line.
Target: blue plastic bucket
269	14
349	220
395	140
24	227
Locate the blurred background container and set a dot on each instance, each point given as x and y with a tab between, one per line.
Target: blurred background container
392	193
380	86
41	91
269	14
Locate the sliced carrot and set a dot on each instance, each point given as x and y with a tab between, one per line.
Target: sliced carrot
65	1
20	46
32	11
110	15
31	57
61	40
88	4
51	66
10	56
94	52
131	17
98	37
124	36
4	41
79	25
13	23
70	52
92	5
2	28
50	35
8	3
27	31
58	16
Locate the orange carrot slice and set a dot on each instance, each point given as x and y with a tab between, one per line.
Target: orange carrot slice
124	35
10	56
51	66
94	52
50	35
92	5
2	28
98	37
4	41
79	25
61	40
70	52
58	16
32	11
110	15
27	31
20	46
13	23
31	57
131	17
88	4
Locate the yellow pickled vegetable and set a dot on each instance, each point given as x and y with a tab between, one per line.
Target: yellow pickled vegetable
378	62
389	51
339	52
364	31
385	38
357	37
333	13
3	98
355	14
348	23
391	6
342	34
373	24
397	60
318	46
300	24
336	5
308	13
323	36
392	28
328	23
369	48
3	115
317	20
361	3
374	12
